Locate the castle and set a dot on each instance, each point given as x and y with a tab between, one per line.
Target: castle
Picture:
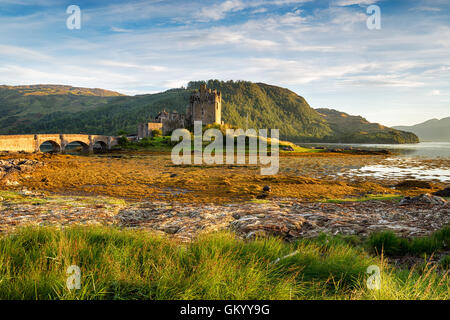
205	105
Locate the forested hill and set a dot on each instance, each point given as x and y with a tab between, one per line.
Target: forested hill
357	129
62	109
267	106
55	90
66	112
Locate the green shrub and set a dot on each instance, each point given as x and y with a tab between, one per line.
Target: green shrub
390	244
422	245
146	142
445	262
123	141
122	133
443	236
156	133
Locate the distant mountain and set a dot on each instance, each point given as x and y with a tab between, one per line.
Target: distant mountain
65	109
348	128
24	106
431	130
52	90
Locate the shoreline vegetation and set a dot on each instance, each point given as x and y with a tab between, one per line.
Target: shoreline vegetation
132	264
159	143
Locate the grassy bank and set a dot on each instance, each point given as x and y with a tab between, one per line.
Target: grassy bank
120	264
164	144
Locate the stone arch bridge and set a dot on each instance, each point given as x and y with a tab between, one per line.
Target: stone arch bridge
33	142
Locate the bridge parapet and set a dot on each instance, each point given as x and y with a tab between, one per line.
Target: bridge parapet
32	143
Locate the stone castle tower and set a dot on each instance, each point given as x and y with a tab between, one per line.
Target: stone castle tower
205	105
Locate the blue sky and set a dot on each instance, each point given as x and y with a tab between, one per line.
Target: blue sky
322	50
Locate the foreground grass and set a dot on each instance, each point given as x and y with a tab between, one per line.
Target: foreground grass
390	244
130	264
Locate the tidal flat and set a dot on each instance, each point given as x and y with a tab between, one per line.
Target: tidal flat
152	176
138	211
313	193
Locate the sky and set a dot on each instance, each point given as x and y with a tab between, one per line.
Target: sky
324	51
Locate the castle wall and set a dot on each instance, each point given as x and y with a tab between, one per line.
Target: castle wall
206	106
170	125
145	129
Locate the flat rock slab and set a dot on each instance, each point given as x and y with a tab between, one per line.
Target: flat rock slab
288	219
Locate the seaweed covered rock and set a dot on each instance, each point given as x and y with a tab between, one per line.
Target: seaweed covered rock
423	199
443	193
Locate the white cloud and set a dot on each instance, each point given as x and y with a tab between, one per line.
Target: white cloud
23	53
29	2
260	10
175	83
384	80
435	93
116	29
344	3
218	12
426	9
144	67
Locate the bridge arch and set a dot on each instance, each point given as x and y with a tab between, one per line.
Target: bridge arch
50	146
72	146
100	146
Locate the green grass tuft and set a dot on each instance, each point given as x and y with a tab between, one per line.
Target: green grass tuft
380	197
131	264
391	244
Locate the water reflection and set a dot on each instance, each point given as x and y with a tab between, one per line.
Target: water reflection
433	150
422	161
395	168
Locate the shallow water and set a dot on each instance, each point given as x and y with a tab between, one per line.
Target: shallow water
422	161
431	150
407	168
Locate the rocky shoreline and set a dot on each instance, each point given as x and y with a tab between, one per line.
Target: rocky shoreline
286	218
10	166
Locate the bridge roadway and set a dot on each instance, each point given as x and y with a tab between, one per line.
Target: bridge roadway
33	142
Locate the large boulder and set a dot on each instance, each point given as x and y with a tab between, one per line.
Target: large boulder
287	226
16	165
423	199
443	193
